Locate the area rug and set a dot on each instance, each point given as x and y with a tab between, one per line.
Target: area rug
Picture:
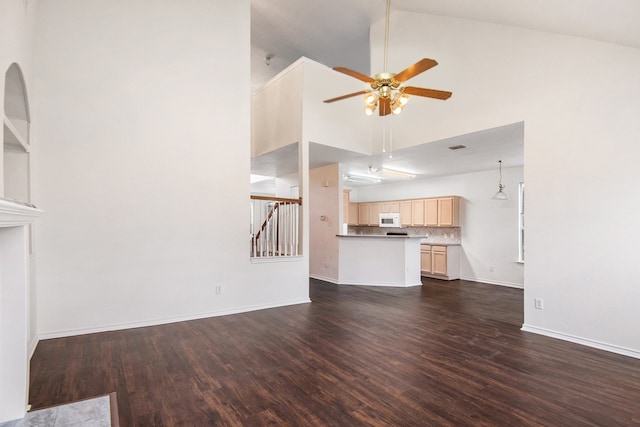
98	412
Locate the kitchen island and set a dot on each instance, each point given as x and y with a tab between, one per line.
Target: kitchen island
379	260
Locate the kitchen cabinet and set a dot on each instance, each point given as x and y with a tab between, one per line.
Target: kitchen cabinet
368	213
448	211
374	214
389	207
353	214
431	212
417	212
349	209
442	212
363	213
405	212
440	261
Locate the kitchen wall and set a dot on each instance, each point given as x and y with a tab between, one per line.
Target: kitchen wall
488	228
579	100
143	166
325	221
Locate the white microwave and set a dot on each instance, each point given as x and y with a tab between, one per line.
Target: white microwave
389	220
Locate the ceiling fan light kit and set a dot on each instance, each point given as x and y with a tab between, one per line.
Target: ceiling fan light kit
387	93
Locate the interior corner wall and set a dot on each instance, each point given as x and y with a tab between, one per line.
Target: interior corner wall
489	228
579	100
142	169
325	194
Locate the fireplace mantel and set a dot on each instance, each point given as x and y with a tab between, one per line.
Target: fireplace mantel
13	214
15	267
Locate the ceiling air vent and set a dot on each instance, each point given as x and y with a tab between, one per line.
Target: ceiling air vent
457	147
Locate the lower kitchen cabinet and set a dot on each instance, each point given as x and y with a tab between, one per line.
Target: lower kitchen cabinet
439	261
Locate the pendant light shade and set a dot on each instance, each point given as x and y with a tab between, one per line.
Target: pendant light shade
500	195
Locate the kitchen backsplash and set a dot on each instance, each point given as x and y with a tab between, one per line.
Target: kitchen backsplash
450	235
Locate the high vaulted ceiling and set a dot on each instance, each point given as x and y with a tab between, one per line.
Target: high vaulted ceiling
336	32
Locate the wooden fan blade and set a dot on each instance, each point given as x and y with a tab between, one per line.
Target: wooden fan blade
355	74
429	93
413	70
362	92
385	106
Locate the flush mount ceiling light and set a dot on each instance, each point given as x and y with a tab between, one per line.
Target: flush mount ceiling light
500	195
386	93
398	173
351	177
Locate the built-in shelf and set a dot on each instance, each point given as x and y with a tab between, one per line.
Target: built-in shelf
13	140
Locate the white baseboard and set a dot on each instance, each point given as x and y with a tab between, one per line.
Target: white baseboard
583	341
156	322
350	283
388	285
323	278
494	282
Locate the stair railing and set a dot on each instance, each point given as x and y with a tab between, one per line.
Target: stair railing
278	232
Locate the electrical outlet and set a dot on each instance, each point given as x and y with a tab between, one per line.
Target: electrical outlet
218	289
538	303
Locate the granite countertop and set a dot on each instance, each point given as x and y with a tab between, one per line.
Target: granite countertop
428	242
423	240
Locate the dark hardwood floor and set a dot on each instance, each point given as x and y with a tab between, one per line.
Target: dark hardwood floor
446	353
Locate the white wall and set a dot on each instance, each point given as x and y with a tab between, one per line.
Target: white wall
143	166
489	228
325	195
16	46
579	100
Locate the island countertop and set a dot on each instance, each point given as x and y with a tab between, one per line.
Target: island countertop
423	240
394	236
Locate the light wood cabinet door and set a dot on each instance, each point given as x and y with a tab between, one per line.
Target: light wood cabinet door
439	260
405	212
425	259
389	207
353	214
417	212
363	213
431	212
374	213
445	212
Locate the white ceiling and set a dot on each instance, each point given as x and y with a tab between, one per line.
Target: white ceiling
337	33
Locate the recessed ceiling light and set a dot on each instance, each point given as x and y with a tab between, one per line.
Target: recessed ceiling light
457	147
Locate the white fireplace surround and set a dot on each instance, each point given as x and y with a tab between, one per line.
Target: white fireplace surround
14	307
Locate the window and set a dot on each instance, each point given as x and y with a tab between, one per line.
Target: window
521	222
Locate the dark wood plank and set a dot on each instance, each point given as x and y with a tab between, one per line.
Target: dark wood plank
446	353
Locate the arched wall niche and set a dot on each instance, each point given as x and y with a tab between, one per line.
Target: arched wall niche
16	138
16	104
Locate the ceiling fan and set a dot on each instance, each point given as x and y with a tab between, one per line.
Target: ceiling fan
387	93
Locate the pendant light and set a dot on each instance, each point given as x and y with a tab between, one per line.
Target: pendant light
500	195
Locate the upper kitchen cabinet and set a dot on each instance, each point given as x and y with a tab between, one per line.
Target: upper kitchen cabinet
442	212
390	207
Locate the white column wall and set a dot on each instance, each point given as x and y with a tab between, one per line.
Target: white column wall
579	100
142	115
